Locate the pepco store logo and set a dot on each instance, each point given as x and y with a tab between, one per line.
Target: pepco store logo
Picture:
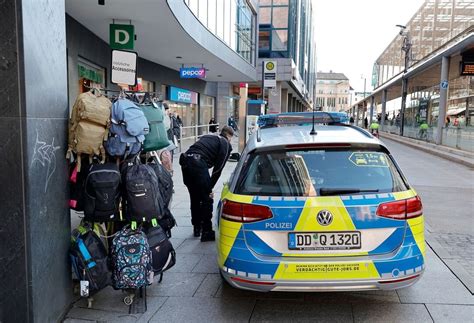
192	73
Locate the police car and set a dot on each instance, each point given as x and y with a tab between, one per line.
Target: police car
318	206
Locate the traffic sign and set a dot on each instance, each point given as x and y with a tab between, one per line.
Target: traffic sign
269	74
444	84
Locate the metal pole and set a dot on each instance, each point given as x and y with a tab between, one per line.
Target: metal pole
196	132
180	141
384	108
357	118
372	101
404	102
443	97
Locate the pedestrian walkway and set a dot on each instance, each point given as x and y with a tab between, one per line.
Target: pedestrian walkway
459	156
194	291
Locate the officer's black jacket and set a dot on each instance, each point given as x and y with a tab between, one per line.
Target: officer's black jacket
215	150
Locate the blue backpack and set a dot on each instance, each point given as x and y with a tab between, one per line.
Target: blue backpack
131	259
128	129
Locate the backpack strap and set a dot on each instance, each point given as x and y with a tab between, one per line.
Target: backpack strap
87	256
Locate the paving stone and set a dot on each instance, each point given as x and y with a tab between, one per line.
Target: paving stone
154	304
176	242
99	315
177	284
451	313
438	285
227	291
182	232
107	299
183	221
185	262
207	265
209	286
180	309
390	313
195	246
353	297
285	311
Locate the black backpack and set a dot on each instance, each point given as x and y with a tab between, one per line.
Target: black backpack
102	193
163	254
89	258
167	222
142	201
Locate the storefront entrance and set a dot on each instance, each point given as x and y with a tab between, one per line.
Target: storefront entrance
184	103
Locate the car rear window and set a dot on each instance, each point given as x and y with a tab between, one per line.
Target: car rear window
317	172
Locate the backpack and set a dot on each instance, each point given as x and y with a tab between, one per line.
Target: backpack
142	199
88	125
89	258
102	193
131	259
167	222
157	138
163	254
76	184
128	129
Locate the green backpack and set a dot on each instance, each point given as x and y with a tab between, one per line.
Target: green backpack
157	138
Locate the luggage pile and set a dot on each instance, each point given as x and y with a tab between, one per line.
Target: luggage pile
118	180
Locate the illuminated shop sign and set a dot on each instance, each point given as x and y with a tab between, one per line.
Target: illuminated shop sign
181	95
192	73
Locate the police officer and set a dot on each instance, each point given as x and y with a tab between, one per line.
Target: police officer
210	151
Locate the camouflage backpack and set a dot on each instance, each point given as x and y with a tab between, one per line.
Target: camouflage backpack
131	260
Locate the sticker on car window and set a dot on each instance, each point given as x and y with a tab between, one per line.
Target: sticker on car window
369	159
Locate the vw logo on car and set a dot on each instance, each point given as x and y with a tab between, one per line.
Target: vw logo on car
324	217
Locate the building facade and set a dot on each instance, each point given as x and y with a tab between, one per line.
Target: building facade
333	92
439	44
286	36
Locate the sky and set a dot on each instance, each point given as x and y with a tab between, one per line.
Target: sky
351	34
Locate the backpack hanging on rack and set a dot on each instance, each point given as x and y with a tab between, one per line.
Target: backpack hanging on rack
89	258
128	129
142	201
131	259
88	126
163	253
102	193
157	138
167	222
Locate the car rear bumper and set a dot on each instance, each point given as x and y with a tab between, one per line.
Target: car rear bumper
267	285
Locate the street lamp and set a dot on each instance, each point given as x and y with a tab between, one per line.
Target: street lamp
406	47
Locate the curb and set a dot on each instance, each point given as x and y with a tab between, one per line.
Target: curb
439	151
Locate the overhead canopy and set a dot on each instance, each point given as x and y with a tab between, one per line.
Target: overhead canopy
165	30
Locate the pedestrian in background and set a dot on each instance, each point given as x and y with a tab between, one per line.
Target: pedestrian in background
210	151
213	127
366	123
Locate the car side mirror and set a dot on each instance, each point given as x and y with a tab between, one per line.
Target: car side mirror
234	157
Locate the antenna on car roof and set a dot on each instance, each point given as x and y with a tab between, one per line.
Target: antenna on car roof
313	132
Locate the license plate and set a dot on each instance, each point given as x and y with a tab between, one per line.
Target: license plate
342	240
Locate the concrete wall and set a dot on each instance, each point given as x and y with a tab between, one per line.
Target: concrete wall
34	223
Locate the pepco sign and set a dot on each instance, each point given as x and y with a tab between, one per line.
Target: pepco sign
192	73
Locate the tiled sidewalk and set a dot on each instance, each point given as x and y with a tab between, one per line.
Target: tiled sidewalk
192	291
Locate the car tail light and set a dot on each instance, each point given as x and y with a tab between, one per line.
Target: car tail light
401	210
242	212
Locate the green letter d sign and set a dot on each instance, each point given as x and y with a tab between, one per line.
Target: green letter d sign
121	36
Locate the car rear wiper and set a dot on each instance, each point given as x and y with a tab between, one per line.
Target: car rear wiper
341	191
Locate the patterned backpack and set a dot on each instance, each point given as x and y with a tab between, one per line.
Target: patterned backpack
131	260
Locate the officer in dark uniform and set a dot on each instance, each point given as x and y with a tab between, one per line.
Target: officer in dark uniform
210	151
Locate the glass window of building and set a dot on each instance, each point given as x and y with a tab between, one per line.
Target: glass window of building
274	21
233	21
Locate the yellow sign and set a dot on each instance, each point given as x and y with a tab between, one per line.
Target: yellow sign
270	66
